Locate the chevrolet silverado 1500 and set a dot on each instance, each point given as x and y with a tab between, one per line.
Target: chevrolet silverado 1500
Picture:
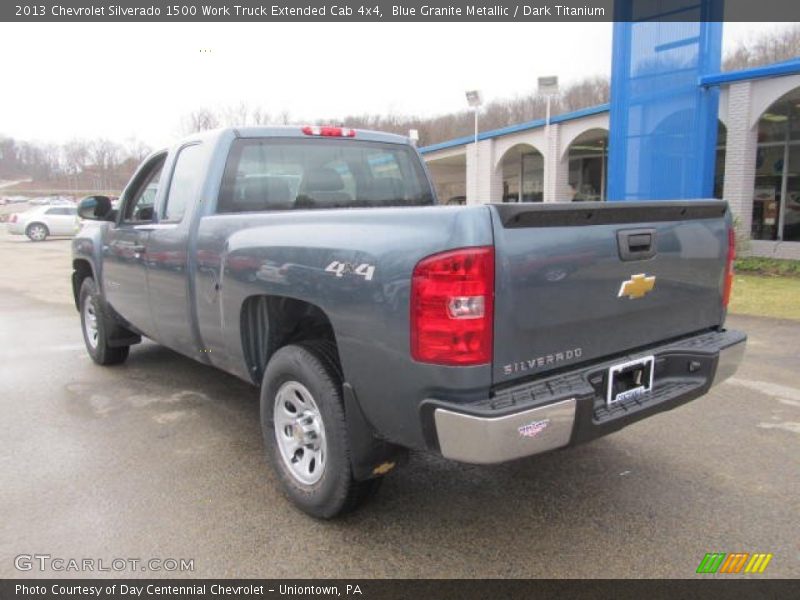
313	262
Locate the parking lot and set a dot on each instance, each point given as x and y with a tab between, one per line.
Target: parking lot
162	458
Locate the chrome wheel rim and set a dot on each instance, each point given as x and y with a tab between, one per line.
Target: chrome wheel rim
90	323
37	233
300	433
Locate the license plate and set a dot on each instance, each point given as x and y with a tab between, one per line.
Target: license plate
630	380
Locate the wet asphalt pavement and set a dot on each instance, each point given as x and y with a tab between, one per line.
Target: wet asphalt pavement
161	458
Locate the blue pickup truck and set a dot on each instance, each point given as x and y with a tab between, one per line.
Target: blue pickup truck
315	263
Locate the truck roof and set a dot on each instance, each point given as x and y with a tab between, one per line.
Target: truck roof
295	131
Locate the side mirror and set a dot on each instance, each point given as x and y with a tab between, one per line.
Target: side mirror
96	208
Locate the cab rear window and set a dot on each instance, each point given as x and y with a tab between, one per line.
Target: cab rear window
267	174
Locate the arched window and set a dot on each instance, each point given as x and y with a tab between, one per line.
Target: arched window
776	200
588	166
523	174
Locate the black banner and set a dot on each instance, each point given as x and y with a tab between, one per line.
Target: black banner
251	589
397	10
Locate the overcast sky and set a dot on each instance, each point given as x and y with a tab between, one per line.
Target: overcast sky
121	80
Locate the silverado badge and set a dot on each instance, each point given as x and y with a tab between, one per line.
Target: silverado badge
637	286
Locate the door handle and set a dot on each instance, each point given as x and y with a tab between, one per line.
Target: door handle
636	244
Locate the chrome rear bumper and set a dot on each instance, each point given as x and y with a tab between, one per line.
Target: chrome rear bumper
481	440
729	360
568	410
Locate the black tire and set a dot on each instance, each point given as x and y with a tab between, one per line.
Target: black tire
37	232
99	349
336	492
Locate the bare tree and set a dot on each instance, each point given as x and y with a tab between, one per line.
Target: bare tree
105	156
201	119
775	46
285	118
136	150
236	115
76	156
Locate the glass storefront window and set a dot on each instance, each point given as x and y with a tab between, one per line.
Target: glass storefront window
587	178
776	199
719	167
767	193
588	163
791	217
532	177
523	166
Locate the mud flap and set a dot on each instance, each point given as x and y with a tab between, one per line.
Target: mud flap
369	456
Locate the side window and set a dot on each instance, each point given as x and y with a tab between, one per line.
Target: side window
184	186
139	206
62	211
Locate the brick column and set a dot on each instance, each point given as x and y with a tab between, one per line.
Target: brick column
561	177
556	173
740	156
489	183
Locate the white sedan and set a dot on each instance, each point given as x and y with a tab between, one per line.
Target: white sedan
42	221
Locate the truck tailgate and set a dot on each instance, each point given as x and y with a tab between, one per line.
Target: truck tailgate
576	283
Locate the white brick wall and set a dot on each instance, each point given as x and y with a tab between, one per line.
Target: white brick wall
489	182
552	164
740	155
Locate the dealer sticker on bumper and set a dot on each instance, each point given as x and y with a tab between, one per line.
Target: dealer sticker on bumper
531	430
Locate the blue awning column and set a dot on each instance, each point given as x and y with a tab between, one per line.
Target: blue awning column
663	125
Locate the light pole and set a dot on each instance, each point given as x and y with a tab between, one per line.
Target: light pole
548	87
475	101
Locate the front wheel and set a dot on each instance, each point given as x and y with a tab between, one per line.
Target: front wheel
96	328
37	232
305	432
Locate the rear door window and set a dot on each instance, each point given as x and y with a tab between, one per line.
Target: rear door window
62	211
184	186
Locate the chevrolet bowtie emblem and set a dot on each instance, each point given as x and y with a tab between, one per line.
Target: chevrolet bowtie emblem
637	286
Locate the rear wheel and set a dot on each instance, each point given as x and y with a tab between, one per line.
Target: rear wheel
96	328
37	232
305	432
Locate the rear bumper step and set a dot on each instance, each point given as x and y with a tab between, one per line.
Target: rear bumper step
570	408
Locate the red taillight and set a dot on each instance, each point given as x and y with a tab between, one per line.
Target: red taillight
327	131
452	307
728	283
13	218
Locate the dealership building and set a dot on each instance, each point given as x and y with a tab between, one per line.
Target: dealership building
757	158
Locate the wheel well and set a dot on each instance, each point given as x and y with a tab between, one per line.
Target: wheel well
32	223
270	322
81	269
